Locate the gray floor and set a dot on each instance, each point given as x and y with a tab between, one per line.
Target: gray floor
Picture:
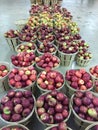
85	12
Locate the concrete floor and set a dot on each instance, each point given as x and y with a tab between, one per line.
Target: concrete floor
85	12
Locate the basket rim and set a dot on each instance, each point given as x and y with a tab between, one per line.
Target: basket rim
53	68
46	90
7	64
78	58
15	124
94	77
25	43
53	53
76	115
55	123
48	128
90	126
26	118
66	53
48	42
66	81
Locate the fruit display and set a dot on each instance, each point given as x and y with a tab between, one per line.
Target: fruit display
47	61
11	34
35	9
85	105
44	48
66	13
59	21
94	71
15	127
46	8
48	40
46	19
50	80
84	56
33	21
79	79
68	48
45	34
23	59
52	107
26	47
60	126
73	27
17	106
22	78
28	34
83	46
4	70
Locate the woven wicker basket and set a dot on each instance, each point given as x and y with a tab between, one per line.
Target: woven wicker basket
45	124
46	2
24	43
70	91
24	121
66	59
4	79
12	42
39	69
46	90
41	53
90	126
53	2
82	62
21	23
82	124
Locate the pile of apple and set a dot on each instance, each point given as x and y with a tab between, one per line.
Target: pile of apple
22	78
46	8
56	9
34	21
43	48
84	56
94	71
68	47
60	126
11	34
16	105
28	34
47	61
74	29
35	9
79	79
85	105
23	59
52	107
66	13
50	80
59	21
46	18
63	35
28	47
83	46
3	71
